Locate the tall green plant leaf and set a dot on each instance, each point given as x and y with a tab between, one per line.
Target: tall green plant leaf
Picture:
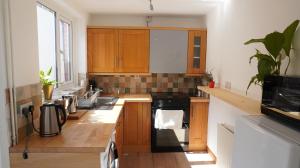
251	82
274	43
264	67
254	41
260	56
288	36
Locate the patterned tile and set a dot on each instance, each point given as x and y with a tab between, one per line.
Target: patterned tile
145	84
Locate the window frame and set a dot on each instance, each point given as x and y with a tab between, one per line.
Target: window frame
57	41
58	17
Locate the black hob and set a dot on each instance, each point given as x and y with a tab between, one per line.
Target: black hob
169	95
165	100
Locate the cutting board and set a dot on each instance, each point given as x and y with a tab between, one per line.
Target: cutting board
77	115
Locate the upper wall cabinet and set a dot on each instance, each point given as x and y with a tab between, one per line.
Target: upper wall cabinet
133	51
118	51
197	52
168	51
102	48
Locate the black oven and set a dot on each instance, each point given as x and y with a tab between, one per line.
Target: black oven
281	99
170	140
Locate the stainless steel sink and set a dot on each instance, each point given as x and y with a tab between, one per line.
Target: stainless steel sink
105	103
88	100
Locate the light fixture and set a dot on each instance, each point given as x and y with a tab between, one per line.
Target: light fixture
148	20
151	5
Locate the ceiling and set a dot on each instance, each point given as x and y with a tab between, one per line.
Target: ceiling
161	7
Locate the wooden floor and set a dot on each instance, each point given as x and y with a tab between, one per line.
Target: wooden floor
161	160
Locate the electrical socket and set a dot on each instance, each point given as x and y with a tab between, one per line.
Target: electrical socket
22	106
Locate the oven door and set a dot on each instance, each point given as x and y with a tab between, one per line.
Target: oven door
169	140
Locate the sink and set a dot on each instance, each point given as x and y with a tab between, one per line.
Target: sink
88	100
105	103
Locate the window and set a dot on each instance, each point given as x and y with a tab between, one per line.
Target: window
55	44
64	51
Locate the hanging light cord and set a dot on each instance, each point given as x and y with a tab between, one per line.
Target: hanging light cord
151	6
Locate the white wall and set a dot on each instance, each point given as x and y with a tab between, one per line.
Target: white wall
25	38
235	22
138	20
220	112
4	131
24	42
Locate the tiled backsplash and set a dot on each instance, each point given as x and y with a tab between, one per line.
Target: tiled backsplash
146	84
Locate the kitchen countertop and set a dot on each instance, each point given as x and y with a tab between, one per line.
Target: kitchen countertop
89	134
246	104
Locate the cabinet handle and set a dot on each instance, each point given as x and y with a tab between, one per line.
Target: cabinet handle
120	61
116	62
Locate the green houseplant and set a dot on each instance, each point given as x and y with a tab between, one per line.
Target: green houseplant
278	46
47	83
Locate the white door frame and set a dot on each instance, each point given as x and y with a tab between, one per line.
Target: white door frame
4	132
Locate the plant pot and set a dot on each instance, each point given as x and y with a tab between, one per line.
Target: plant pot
48	91
211	84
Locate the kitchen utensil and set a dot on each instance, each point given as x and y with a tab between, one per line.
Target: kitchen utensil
73	103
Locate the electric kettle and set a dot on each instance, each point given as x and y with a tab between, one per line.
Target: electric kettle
52	118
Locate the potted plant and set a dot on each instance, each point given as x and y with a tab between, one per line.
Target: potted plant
47	83
206	78
279	46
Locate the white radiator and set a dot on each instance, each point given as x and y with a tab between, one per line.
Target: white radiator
224	146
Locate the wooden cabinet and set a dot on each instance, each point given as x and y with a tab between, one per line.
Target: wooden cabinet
196	52
198	126
133	51
102	46
118	50
137	127
119	133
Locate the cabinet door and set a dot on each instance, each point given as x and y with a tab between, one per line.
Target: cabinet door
137	124
145	125
119	134
131	112
102	50
197	52
133	51
198	126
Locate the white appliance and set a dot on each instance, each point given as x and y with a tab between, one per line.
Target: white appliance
109	158
261	142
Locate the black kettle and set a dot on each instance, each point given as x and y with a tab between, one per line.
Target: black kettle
52	118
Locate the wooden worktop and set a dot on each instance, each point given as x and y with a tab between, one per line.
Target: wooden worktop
89	134
245	104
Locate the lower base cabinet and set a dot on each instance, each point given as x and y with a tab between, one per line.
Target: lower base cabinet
133	130
198	126
136	127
